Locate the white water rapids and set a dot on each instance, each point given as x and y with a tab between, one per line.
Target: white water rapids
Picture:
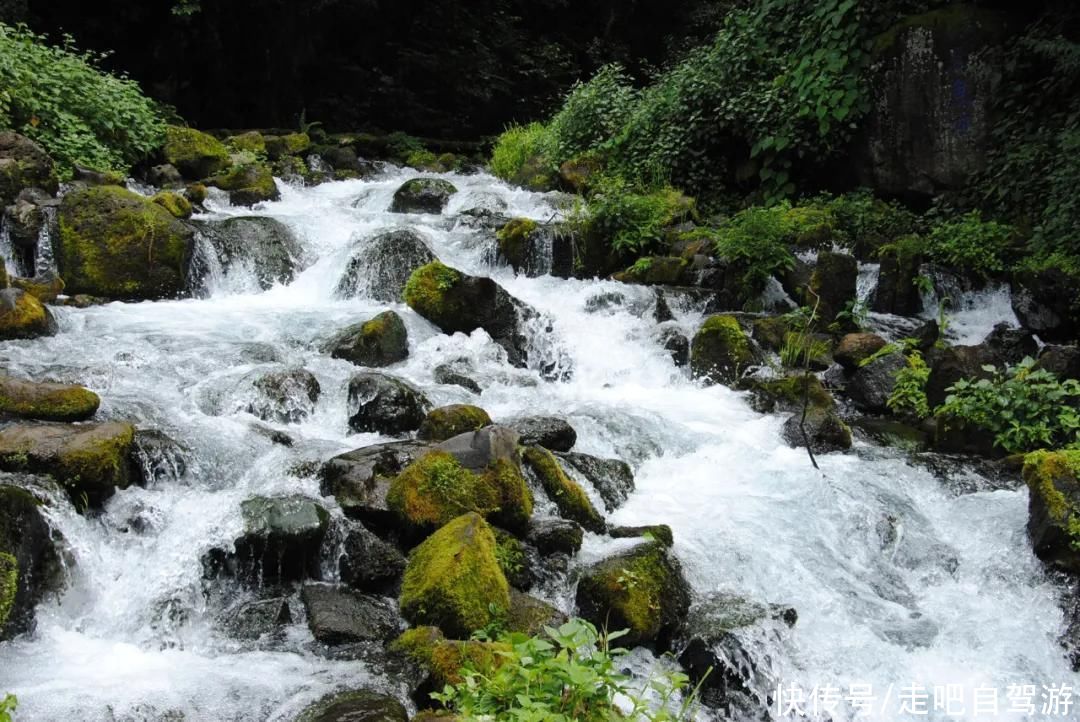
898	577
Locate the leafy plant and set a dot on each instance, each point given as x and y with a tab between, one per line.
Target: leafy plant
80	114
631	221
569	674
516	147
7	706
592	113
908	397
1024	407
971	244
755	242
863	222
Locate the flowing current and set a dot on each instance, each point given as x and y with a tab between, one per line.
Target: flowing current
901	574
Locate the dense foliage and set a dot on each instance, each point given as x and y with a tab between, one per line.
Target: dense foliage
7	705
908	397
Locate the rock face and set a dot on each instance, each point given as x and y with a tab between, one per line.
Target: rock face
453	579
286	396
46	401
1054	507
23	164
23	316
456	302
280	543
929	126
337	615
1044	303
720	351
377	342
642	590
567	494
359	481
613	479
871	385
117	244
265	245
447	422
383	265
195	154
422	195
551	432
382	403
30	563
360	706
90	459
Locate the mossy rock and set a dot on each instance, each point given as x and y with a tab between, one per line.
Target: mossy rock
854	348
770	332
9	585
247	184
174	203
250	142
577	172
23	164
422	195
832	284
453	580
824	428
653	532
45	287
23	316
641	590
514	241
279	146
195	154
570	499
448	421
117	244
355	706
529	615
30	562
436	489
196	193
1053	479
377	342
720	350
787	393
657	270
90	460
443	658
46	401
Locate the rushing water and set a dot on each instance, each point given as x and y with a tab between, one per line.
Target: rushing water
898	577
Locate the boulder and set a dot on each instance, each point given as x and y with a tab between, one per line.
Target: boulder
514	242
368	563
359	481
280	146
447	374
383	264
250	142
613	479
551	432
720	351
358	706
165	175
338	615
23	164
89	460
193	153
280	541
1062	361
447	422
422	195
31	565
529	615
22	316
377	342
1004	346
642	590
896	291
117	244
45	287
834	284
253	620
385	404
871	385
826	431
436	488
555	536
46	401
265	245
453	580
247	184
1044	303
444	659
1053	480
477	450
854	348
787	393
26	217
177	205
658	270
677	345
287	396
537	250
569	498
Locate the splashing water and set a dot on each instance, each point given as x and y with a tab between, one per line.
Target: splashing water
897	578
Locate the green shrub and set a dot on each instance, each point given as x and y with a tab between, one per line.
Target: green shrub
971	244
865	223
517	146
631	221
570	674
79	113
755	241
908	397
592	113
1024	407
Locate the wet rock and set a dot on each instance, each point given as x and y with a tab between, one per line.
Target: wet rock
871	385
370	564
453	580
477	450
23	164
456	302
824	428
787	393
193	153
720	351
385	404
896	291
449	421
654	532
25	218
1044	303
337	615
890	432
263	244
422	195
536	249
641	590
158	457
529	615
165	175
854	348
46	401
380	341
1062	361
446	374
834	282
569	498
30	561
672	340
1054	507
287	396
613	479
606	301
254	620
45	287
247	184
89	460
551	432
360	706
555	536
383	264
22	316
359	480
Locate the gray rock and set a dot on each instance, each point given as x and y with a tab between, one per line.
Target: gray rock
265	244
287	396
613	479
551	432
368	563
826	431
871	385
253	620
382	265
422	195
337	615
385	404
477	450
359	480
445	374
555	536
377	342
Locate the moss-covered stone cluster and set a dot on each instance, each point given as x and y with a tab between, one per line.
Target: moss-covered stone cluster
1053	480
46	402
720	350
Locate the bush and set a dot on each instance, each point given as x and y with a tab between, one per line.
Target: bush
592	113
909	394
865	223
1024	407
516	147
59	97
631	221
971	244
755	241
570	674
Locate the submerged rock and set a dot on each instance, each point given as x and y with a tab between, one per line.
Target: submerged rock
551	432
30	561
377	342
382	266
382	403
264	245
337	615
46	401
613	479
422	195
23	316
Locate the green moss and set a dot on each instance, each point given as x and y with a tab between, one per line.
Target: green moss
513	240
47	402
662	270
196	193
174	203
250	142
116	244
101	461
1042	472
44	289
810	226
426	290
453	579
771	332
9	585
720	350
443	658
194	153
435	489
449	421
424	160
569	497
278	146
247	184
22	316
789	391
